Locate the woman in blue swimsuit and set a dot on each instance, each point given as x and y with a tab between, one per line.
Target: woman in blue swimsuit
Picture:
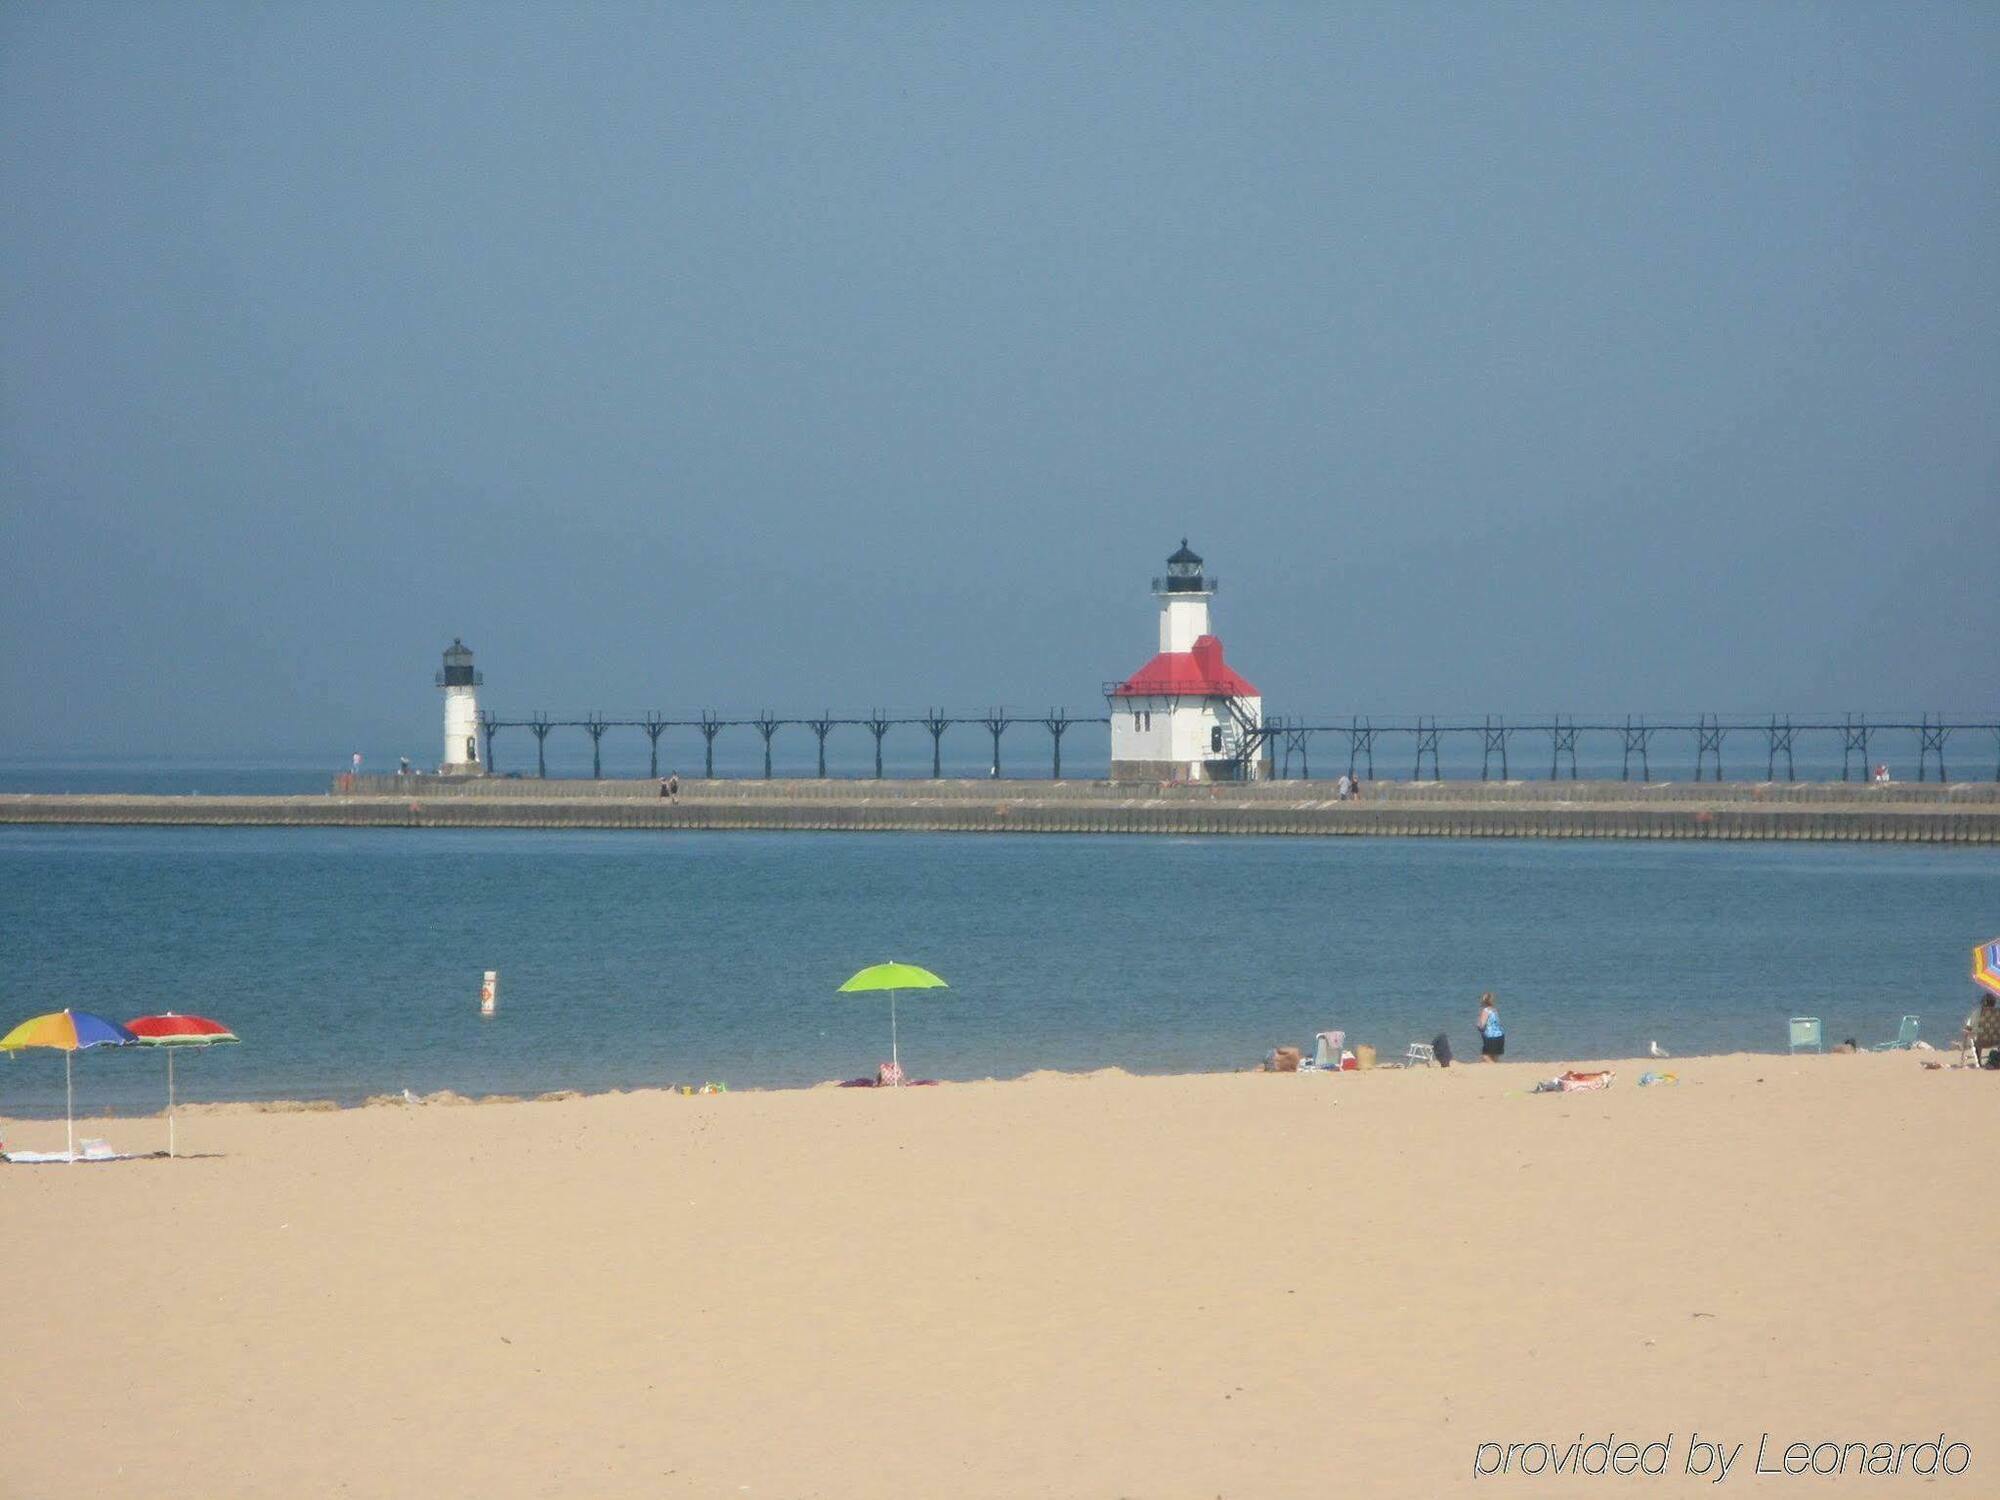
1492	1037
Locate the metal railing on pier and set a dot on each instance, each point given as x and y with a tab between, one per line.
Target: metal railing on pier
1696	748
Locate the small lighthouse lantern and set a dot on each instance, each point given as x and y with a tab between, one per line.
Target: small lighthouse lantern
460	680
1184	574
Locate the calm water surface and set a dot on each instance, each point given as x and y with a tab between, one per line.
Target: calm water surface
349	960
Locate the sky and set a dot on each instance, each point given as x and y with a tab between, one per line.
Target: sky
1499	359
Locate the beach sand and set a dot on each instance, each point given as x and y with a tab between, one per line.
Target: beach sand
1234	1284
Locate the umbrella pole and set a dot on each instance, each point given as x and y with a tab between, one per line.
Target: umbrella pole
69	1106
170	1101
895	1054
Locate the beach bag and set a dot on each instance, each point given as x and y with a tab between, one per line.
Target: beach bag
1441	1049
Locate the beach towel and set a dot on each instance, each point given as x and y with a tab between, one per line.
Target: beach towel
870	1083
1583	1083
39	1158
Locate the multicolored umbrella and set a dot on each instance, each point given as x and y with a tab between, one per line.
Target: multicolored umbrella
892	977
1986	966
69	1032
173	1032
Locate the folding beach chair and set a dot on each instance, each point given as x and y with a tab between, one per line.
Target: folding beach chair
1979	1038
1420	1055
1905	1034
1806	1032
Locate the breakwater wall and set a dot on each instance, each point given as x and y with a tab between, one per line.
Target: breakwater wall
1899	794
1967	814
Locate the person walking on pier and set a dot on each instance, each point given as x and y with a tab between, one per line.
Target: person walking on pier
1344	788
672	789
1492	1037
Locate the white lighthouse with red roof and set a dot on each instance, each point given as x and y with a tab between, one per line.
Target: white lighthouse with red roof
1186	715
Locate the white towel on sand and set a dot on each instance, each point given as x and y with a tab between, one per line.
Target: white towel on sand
92	1151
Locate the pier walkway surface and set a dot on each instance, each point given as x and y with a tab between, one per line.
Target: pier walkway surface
1956	813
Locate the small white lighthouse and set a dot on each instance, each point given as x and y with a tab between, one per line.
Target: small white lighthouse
1186	715
460	679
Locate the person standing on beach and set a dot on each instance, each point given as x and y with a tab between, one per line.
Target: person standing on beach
1492	1037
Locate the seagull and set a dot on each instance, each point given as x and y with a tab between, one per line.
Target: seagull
1654	1049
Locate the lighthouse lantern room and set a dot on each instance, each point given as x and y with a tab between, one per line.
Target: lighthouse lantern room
460	681
1186	715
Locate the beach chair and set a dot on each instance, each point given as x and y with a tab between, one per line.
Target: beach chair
1905	1035
1806	1032
1327	1047
1978	1037
1420	1055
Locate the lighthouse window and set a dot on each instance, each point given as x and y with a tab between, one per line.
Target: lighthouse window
1215	739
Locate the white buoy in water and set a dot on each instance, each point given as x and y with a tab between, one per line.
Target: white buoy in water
489	993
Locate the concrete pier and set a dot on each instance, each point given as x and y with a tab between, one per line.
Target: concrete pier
1963	813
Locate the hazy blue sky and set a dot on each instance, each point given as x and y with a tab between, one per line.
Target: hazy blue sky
1498	357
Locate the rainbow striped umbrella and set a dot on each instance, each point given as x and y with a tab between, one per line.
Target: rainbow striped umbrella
1986	966
174	1032
69	1032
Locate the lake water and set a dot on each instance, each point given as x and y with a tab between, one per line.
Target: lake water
350	960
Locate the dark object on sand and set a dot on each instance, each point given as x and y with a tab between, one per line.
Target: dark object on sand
1441	1048
876	1083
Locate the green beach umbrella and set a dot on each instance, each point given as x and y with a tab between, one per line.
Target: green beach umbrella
892	977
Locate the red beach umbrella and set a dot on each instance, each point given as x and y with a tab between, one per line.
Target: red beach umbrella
172	1032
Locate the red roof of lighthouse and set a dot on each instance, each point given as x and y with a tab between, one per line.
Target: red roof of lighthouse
1200	673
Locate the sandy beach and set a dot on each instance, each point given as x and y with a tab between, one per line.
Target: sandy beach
1235	1284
